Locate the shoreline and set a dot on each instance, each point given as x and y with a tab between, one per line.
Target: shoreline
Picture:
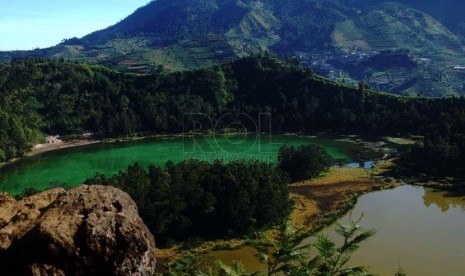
319	203
43	148
54	143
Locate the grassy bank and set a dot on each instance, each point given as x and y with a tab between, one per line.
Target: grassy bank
321	201
318	203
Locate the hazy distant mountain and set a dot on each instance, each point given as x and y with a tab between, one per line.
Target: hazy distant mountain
389	45
448	12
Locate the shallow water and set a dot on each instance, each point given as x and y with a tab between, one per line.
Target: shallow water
71	167
418	229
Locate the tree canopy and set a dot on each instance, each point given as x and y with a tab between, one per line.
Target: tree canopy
304	162
40	97
195	198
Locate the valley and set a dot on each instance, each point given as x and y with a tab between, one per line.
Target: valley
328	136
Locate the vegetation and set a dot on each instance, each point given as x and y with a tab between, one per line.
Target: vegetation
206	200
304	162
58	97
290	254
436	157
193	198
319	202
452	18
185	35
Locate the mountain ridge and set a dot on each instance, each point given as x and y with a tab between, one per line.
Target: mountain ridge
185	34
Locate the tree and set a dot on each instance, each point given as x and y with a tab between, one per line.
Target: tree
304	162
199	199
287	250
290	252
331	259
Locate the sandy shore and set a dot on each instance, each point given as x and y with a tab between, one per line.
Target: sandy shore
55	143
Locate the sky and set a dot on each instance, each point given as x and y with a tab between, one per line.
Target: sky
29	24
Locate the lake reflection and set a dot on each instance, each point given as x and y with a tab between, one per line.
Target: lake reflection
443	200
418	229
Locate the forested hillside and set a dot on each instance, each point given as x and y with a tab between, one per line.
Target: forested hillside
20	122
58	97
342	39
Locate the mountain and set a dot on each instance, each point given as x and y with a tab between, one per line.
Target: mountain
389	45
448	12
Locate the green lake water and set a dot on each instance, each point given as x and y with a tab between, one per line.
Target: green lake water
72	166
419	229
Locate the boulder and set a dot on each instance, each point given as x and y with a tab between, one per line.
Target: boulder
90	230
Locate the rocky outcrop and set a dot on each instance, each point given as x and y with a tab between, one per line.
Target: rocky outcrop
90	230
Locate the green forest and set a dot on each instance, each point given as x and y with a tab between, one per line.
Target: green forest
182	106
198	199
41	97
212	200
304	162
